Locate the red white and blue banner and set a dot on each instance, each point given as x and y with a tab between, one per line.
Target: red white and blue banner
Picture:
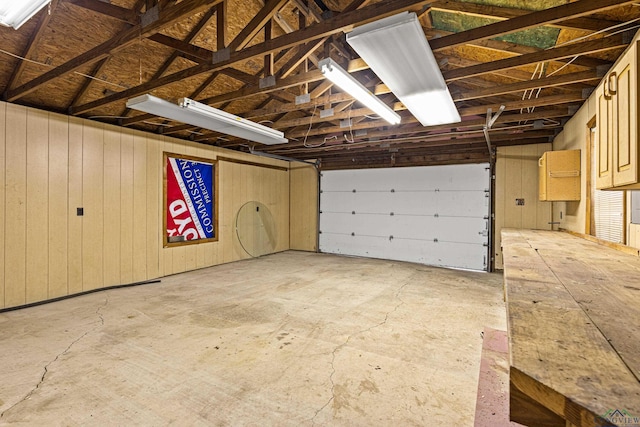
190	199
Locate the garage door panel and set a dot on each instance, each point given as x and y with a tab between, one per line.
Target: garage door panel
434	215
462	203
454	255
337	201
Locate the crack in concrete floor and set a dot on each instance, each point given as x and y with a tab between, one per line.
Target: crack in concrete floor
346	342
55	359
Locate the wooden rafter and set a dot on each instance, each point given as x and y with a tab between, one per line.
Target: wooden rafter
32	44
108	9
562	79
544	17
121	41
514	49
256	24
99	66
568	51
498	12
337	24
478	122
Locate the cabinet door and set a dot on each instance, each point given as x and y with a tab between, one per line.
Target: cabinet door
604	161
623	84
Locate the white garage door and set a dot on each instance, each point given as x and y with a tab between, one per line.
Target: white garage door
434	215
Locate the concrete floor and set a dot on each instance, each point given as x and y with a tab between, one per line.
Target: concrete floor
289	339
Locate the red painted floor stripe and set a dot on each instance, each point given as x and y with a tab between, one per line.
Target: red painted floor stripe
492	404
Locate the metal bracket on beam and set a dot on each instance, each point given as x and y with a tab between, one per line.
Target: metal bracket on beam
150	16
303	99
221	55
326	113
266	82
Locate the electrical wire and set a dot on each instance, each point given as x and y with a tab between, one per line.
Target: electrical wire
537	91
350	128
51	66
426	137
315	107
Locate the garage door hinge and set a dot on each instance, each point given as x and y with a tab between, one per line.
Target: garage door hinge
435	240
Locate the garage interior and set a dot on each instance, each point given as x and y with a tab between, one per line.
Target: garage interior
349	270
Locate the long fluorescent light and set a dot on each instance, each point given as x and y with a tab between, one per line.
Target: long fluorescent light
14	13
346	82
397	50
201	115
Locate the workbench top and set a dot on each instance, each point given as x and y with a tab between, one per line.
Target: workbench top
573	310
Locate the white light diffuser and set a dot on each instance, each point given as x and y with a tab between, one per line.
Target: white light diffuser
198	114
14	13
397	50
346	82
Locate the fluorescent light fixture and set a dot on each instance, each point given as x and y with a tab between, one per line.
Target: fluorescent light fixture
14	13
198	114
346	82
397	50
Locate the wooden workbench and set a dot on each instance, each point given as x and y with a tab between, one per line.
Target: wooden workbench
573	311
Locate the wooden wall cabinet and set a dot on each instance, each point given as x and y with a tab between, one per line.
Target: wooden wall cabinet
559	176
617	125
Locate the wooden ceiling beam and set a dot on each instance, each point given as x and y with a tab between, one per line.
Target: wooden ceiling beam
342	22
221	25
568	51
195	32
464	112
557	80
305	51
97	69
515	49
549	16
476	146
107	9
34	40
286	108
217	10
121	41
191	52
502	13
511	74
571	97
416	143
403	129
308	12
256	24
392	161
297	79
302	78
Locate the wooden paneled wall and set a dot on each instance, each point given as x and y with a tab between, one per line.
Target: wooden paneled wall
52	164
517	178
303	207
